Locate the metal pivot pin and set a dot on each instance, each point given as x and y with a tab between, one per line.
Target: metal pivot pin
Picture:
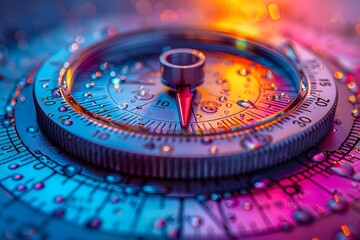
182	70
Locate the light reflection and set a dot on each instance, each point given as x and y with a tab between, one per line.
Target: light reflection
274	11
345	230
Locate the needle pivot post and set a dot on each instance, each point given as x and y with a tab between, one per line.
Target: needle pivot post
183	69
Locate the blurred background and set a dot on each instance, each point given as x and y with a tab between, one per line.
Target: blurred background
335	15
330	26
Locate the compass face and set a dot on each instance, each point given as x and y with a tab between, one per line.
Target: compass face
179	133
251	101
237	94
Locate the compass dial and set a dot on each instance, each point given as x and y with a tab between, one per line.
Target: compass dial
74	157
253	106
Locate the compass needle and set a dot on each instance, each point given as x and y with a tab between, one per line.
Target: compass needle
184	101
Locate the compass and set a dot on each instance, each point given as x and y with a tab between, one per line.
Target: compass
179	132
226	106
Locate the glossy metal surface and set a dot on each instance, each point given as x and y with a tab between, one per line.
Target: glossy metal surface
296	118
47	193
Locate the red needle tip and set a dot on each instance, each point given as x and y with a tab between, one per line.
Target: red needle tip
184	99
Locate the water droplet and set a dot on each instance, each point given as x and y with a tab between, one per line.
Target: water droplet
6	123
243	71
215	196
59	200
62	109
230	216
355	113
143	94
166	149
343	169
214	150
70	170
206	140
319	157
276	97
222	99
221	81
87	94
13	166
302	216
17	177
261	184
123	106
113	178
229	105
347	232
338	121
38	186
98	74
154	189
245	103
59	213
160	223
67	122
285	225
103	66
339	75
115	80
352	86
303	85
228	63
89	85
273	86
195	221
269	75
56	93
337	204
124	69
29	232
255	142
118	211
231	202
21	188
356	176
352	99
94	223
32	129
173	233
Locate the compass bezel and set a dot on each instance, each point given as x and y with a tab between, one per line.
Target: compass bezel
117	147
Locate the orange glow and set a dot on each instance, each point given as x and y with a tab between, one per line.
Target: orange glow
357	28
274	11
345	230
336	198
244	10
